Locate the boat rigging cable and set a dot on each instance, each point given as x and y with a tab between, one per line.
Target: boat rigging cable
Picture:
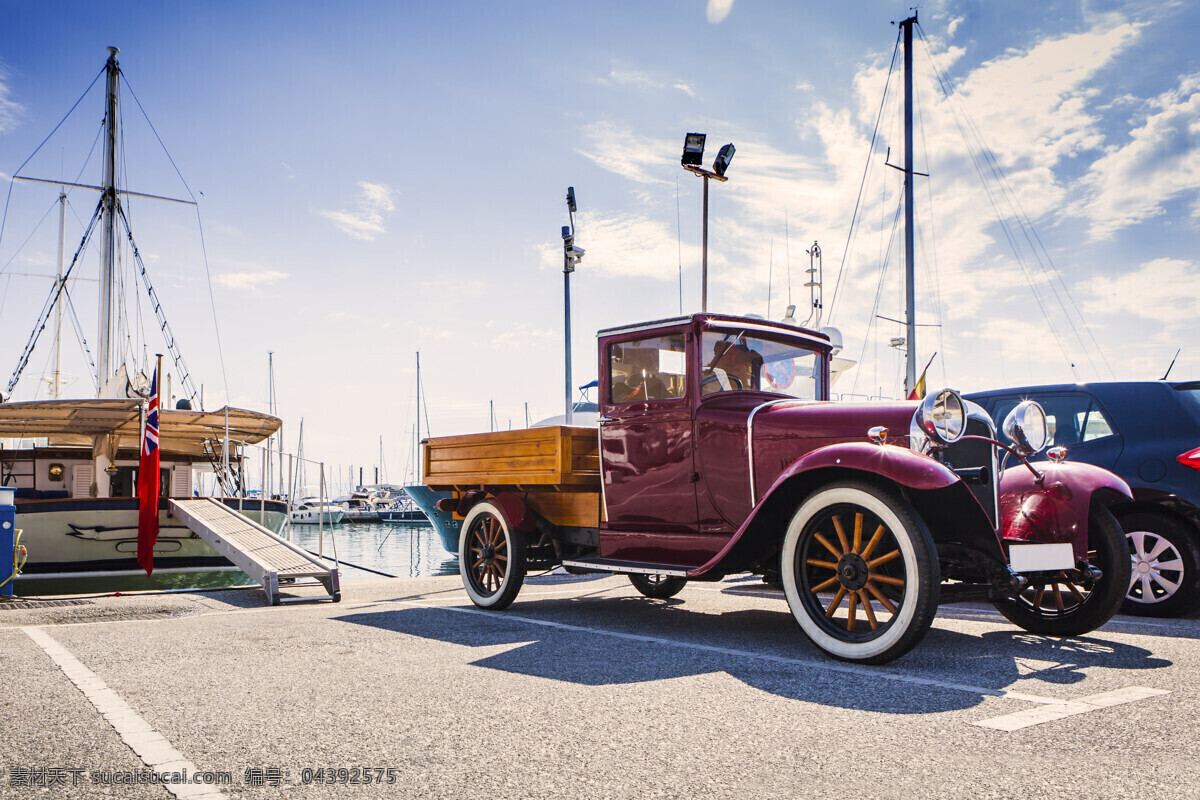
887	253
17	173
177	357
58	289
985	164
852	234
981	158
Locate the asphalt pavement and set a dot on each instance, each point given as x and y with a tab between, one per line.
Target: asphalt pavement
581	689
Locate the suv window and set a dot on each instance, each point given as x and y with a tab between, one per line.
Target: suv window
1189	393
1071	418
647	369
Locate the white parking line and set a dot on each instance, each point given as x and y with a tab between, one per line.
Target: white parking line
1049	713
1054	708
155	751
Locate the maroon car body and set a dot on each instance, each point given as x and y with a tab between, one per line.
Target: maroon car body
721	453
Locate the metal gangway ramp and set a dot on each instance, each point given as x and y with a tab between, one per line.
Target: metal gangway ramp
259	553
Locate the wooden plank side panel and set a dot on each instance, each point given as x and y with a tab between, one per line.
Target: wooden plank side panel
452	452
541	464
556	456
574	509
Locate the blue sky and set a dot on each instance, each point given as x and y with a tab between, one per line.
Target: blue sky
380	178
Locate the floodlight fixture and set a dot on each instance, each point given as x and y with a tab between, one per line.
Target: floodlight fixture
723	158
693	156
693	149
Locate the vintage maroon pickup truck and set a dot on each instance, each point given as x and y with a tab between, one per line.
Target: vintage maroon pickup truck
719	452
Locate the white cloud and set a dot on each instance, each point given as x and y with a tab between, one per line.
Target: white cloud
248	280
367	222
718	10
1164	290
626	246
1131	182
1048	119
10	111
618	149
645	81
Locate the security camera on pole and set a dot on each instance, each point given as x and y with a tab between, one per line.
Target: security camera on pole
693	155
571	256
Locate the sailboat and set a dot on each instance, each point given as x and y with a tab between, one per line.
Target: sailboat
75	461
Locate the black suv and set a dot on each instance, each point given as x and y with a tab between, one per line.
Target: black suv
1148	432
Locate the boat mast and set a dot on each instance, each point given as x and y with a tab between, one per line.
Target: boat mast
417	443
56	374
108	247
910	284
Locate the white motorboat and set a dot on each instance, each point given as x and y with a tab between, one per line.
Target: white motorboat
311	511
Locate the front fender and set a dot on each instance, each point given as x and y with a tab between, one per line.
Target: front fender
897	464
1056	509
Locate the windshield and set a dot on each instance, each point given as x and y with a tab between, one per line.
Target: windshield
734	361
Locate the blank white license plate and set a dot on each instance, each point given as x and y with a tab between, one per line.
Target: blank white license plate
1039	557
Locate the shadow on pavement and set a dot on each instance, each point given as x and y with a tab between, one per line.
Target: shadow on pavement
764	649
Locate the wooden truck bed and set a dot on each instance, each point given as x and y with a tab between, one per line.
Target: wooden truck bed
558	468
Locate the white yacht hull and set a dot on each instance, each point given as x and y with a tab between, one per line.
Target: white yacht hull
89	536
310	516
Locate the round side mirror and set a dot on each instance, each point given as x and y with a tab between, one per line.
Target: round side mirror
1025	426
942	416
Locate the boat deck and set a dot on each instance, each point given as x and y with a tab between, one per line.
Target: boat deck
259	553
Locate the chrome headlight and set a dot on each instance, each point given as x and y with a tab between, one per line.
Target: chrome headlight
1025	426
942	416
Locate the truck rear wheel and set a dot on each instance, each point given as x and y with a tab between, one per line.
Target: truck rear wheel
1061	605
864	547
491	557
660	587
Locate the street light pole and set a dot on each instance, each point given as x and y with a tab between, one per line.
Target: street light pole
571	257
704	257
693	154
567	337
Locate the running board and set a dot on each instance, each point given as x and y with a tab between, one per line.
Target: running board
262	555
628	567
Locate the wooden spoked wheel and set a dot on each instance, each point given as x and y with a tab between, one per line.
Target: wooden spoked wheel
1070	603
860	573
855	570
491	557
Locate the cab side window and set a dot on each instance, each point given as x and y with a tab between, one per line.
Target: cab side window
647	369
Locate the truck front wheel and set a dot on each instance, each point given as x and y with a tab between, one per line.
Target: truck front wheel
1065	605
860	573
491	557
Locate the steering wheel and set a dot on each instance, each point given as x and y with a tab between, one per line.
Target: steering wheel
725	382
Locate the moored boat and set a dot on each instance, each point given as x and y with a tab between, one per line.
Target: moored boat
74	462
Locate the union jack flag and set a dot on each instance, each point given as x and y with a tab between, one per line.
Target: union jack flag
150	440
148	484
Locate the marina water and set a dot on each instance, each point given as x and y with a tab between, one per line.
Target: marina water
364	549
